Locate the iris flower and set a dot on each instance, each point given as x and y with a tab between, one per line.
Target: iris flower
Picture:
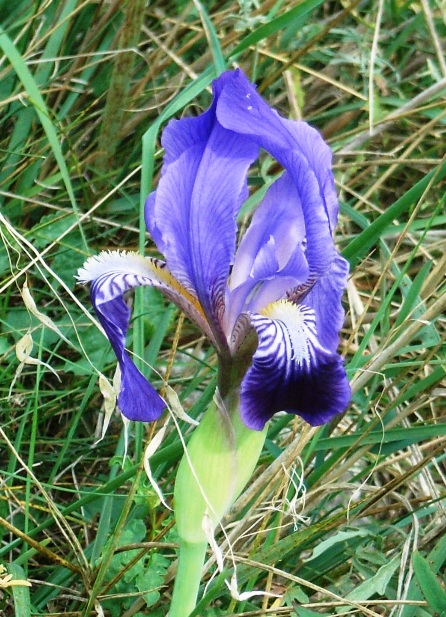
271	306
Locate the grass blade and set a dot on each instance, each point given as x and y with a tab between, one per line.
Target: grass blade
430	586
22	600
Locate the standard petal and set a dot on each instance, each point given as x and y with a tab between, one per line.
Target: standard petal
180	135
271	257
192	214
279	216
291	371
303	153
112	274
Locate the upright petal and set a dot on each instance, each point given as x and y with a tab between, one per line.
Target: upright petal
291	371
271	257
180	135
301	150
191	216
279	216
112	274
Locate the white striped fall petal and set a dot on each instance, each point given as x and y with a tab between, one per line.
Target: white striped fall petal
290	370
120	271
112	274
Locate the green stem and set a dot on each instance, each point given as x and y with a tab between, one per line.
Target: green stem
188	578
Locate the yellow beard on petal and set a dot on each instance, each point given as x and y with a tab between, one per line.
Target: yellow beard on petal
169	280
300	324
130	262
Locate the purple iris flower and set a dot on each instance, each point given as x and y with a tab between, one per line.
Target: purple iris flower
271	306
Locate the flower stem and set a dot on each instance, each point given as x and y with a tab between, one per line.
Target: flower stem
187	580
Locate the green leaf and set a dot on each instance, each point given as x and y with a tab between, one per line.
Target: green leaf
433	592
413	434
297	594
340	537
20	593
291	18
305	612
437	558
377	583
214	43
50	227
412	298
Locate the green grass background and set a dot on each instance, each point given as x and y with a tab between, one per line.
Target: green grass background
346	519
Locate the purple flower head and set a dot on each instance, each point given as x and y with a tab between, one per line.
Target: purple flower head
271	307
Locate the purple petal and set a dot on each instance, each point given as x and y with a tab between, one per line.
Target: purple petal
137	399
180	135
291	371
112	275
303	153
325	299
279	216
191	216
271	257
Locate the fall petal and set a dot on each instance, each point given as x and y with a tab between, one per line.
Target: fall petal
291	371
